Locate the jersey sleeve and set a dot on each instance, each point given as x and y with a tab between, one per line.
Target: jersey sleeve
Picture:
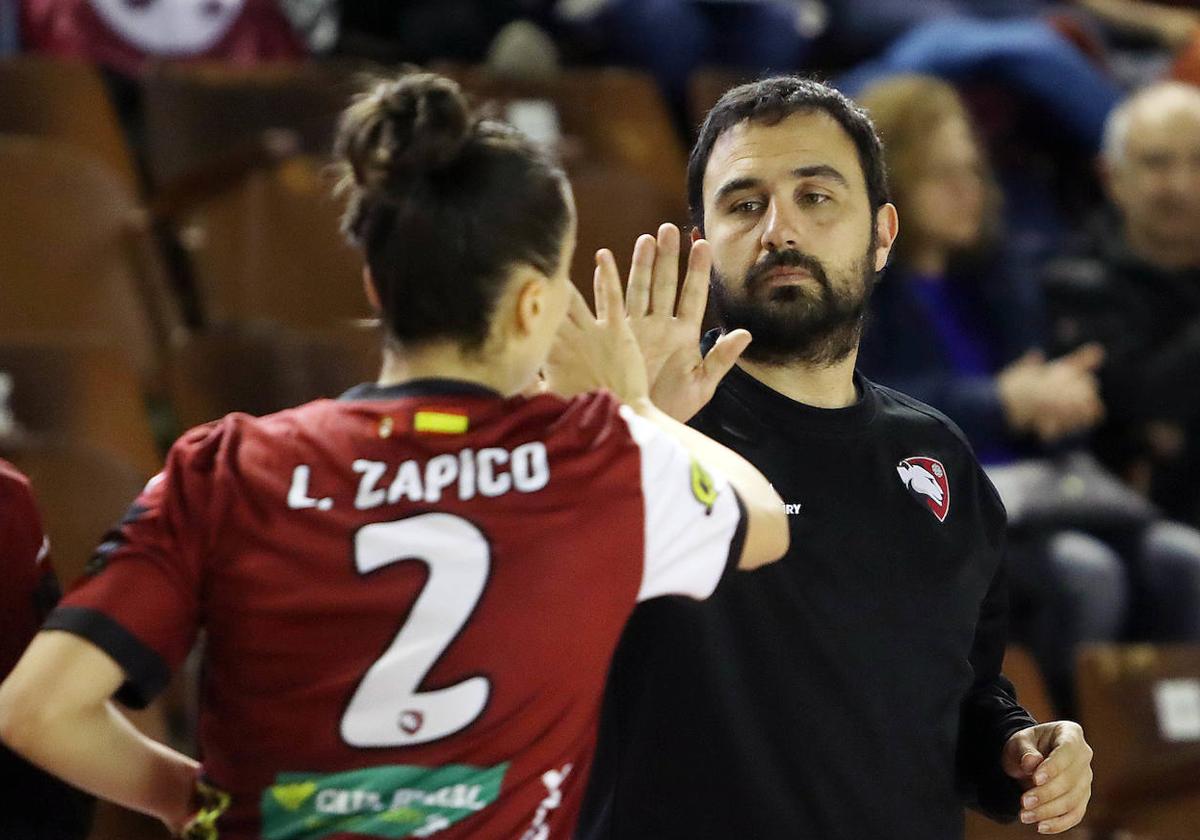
695	523
140	598
31	588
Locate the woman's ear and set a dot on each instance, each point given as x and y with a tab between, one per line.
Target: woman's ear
531	303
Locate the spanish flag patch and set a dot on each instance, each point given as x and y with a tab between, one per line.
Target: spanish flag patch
440	422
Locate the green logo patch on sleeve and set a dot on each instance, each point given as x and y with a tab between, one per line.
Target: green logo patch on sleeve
389	802
703	487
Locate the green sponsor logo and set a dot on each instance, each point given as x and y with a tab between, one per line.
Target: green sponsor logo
391	802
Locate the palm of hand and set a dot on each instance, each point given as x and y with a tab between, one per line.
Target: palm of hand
681	380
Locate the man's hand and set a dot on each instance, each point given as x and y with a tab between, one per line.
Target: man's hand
681	380
1054	763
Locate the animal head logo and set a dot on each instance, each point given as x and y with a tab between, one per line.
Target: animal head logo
926	479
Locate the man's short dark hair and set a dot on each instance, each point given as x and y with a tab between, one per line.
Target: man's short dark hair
770	101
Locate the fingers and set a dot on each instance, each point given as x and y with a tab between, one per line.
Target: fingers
1031	358
1069	751
641	271
722	357
1086	357
1064	823
610	308
1064	811
695	285
604	280
1021	755
578	312
1037	799
666	271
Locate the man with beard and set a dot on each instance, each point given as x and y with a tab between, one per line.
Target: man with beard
854	690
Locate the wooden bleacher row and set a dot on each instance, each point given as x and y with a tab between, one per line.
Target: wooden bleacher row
266	273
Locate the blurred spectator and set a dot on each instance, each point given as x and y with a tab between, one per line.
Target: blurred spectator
10	27
124	36
865	27
423	31
672	38
959	326
1027	55
1170	24
1133	284
36	806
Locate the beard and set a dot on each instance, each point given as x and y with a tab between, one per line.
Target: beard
820	326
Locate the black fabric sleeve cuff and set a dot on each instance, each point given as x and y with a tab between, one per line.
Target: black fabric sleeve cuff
738	543
146	674
991	717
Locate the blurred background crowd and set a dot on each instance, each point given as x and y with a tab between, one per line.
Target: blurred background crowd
169	246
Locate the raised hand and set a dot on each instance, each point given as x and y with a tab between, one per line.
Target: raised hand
681	380
599	351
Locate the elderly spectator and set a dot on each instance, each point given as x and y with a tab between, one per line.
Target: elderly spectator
959	326
1133	284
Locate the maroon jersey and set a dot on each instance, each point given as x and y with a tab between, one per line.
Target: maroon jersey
127	35
29	587
410	598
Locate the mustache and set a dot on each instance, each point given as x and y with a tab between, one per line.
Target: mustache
757	276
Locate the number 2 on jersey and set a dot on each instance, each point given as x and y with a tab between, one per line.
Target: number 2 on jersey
387	710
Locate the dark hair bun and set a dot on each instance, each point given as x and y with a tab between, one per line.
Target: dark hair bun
404	128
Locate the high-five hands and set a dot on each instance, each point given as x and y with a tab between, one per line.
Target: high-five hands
597	351
681	380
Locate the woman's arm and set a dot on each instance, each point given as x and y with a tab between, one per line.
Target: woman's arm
69	727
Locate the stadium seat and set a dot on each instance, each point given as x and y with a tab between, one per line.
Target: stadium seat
65	101
266	368
1140	707
707	84
615	205
269	249
206	117
618	116
82	492
83	391
75	253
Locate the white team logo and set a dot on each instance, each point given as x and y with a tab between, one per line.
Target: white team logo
926	479
170	27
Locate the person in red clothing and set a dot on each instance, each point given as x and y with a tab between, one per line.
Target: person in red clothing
127	36
37	806
410	594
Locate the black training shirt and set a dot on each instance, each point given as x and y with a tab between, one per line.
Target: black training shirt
850	691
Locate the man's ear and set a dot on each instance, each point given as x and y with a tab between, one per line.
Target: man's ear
887	228
370	291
